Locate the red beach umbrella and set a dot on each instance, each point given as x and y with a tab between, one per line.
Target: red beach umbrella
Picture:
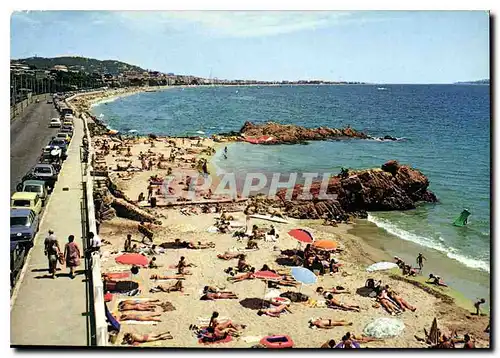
132	259
325	244
301	235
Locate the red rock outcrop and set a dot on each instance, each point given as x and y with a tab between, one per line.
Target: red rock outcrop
394	187
288	133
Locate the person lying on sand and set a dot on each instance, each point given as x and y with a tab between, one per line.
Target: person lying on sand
244	276
167	277
274	311
477	305
436	280
135	338
360	339
135	317
287	281
333	290
387	303
141	306
168	288
213	289
218	296
228	256
393	295
331	302
327	323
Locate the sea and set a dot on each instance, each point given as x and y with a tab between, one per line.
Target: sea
442	130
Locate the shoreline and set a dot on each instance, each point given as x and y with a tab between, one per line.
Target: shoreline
362	252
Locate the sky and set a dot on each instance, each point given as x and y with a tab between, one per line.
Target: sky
366	46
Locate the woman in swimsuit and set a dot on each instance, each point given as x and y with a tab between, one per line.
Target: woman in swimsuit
134	317
274	311
399	300
334	303
137	307
218	296
334	290
172	288
328	323
244	276
167	277
134	338
228	256
387	304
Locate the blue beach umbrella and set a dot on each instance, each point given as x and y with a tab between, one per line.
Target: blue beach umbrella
303	275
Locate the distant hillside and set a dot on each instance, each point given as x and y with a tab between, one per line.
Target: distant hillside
81	64
480	82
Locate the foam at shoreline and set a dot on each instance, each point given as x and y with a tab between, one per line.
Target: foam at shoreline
429	243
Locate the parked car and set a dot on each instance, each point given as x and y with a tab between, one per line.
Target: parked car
61	143
51	155
34	186
55	122
22	200
17	258
46	172
24	224
67	129
65	136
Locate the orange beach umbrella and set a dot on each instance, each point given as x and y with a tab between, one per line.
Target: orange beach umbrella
325	244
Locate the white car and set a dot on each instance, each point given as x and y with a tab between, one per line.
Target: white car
55	122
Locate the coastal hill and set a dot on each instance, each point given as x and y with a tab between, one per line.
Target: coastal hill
82	64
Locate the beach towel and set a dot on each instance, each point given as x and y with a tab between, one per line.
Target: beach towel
152	323
117	275
251	339
384	328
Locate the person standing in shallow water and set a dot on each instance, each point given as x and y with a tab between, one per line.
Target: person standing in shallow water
72	255
420	261
52	251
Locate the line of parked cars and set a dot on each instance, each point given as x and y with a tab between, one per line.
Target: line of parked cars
32	193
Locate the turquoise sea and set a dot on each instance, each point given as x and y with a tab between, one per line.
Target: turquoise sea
444	131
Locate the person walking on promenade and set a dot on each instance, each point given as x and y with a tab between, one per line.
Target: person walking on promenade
72	255
420	261
52	251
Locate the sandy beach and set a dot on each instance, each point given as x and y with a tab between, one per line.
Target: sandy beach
193	225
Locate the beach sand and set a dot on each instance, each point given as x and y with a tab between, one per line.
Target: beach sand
209	270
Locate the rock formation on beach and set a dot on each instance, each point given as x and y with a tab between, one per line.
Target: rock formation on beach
393	187
275	133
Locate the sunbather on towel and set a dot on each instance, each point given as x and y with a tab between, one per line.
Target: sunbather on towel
332	290
135	317
228	256
244	276
134	338
218	296
384	300
143	306
274	311
393	295
223	325
167	277
331	302
168	288
327	323
133	302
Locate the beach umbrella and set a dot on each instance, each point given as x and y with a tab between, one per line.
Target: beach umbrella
266	276
380	266
325	244
304	276
301	235
132	259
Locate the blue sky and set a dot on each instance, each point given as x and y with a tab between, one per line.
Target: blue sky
369	46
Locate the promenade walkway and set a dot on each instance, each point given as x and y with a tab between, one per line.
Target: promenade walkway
47	311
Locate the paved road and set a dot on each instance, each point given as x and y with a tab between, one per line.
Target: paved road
29	133
49	311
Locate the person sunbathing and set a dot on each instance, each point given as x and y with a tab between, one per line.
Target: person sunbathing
228	256
209	296
200	246
153	264
181	266
334	290
135	339
244	276
360	339
168	288
436	280
133	302
135	317
329	344
242	265
393	295
327	323
213	334
224	325
288	281
387	304
331	302
140	306
274	311
167	277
